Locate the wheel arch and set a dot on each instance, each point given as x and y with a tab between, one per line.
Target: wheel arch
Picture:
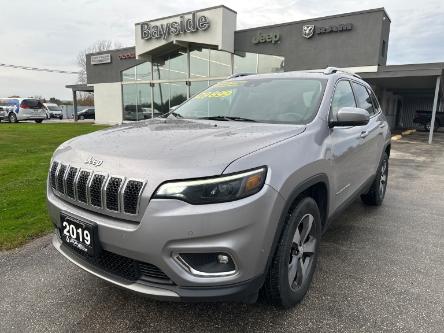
316	187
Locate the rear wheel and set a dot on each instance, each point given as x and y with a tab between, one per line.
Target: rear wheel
295	259
12	118
375	196
38	121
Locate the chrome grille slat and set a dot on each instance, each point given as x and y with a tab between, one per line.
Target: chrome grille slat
53	174
131	196
82	186
70	182
60	183
112	193
96	190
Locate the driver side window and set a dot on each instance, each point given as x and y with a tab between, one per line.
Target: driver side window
343	97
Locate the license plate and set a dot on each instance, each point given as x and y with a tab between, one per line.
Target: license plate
78	234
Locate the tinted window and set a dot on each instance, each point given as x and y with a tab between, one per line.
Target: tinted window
363	98
374	100
292	101
343	97
32	104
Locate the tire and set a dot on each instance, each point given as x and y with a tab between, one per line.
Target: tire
38	121
82	118
61	117
12	118
427	126
375	195
293	265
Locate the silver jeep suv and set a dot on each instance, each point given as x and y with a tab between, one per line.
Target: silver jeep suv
227	195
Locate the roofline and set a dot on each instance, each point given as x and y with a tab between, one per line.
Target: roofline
321	18
112	50
186	13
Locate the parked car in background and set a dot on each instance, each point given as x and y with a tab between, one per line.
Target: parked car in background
3	112
89	113
53	111
228	194
23	109
425	118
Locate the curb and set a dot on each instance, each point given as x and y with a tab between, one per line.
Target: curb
404	133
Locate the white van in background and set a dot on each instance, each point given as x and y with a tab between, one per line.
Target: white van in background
53	111
18	109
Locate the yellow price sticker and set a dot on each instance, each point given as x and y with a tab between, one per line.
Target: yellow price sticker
214	94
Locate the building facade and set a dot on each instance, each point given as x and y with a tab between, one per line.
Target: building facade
176	57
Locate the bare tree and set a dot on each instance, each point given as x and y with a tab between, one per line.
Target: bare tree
98	46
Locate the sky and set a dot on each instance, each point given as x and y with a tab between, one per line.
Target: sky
50	34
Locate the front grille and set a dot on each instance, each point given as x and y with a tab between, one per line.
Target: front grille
126	268
96	190
112	193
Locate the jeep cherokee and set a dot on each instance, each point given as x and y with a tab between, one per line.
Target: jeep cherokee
225	196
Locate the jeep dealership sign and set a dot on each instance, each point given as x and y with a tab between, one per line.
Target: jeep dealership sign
213	27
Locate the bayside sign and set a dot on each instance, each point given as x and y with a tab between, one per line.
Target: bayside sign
175	28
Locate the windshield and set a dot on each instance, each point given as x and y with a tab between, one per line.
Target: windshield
289	101
54	108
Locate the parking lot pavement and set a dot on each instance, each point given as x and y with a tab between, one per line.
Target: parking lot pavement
380	269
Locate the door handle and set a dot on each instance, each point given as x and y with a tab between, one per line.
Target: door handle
363	134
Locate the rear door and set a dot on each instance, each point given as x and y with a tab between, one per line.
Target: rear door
372	140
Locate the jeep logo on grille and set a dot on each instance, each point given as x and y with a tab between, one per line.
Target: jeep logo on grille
92	161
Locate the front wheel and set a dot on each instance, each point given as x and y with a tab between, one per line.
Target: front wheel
375	196
295	259
82	118
38	121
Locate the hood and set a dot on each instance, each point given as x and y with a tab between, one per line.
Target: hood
172	148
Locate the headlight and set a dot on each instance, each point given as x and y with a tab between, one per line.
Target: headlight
213	190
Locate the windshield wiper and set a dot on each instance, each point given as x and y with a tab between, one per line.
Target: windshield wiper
240	119
221	118
226	118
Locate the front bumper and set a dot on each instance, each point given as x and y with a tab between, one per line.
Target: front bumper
244	229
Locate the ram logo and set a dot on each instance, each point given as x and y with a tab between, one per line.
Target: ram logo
308	30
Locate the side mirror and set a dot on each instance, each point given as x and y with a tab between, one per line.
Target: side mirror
349	116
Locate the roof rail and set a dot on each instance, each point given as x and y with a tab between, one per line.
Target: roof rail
235	75
332	70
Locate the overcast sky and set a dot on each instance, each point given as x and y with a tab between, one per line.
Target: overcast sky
50	34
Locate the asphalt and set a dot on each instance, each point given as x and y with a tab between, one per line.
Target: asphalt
380	270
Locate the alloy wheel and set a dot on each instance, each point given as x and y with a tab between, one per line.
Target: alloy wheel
302	251
383	179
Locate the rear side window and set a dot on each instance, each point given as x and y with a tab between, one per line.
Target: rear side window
343	97
363	98
31	104
374	100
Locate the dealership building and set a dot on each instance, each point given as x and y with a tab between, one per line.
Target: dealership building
176	57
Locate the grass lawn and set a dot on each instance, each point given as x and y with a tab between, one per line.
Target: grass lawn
25	152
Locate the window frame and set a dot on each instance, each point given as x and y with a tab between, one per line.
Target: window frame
331	116
369	92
